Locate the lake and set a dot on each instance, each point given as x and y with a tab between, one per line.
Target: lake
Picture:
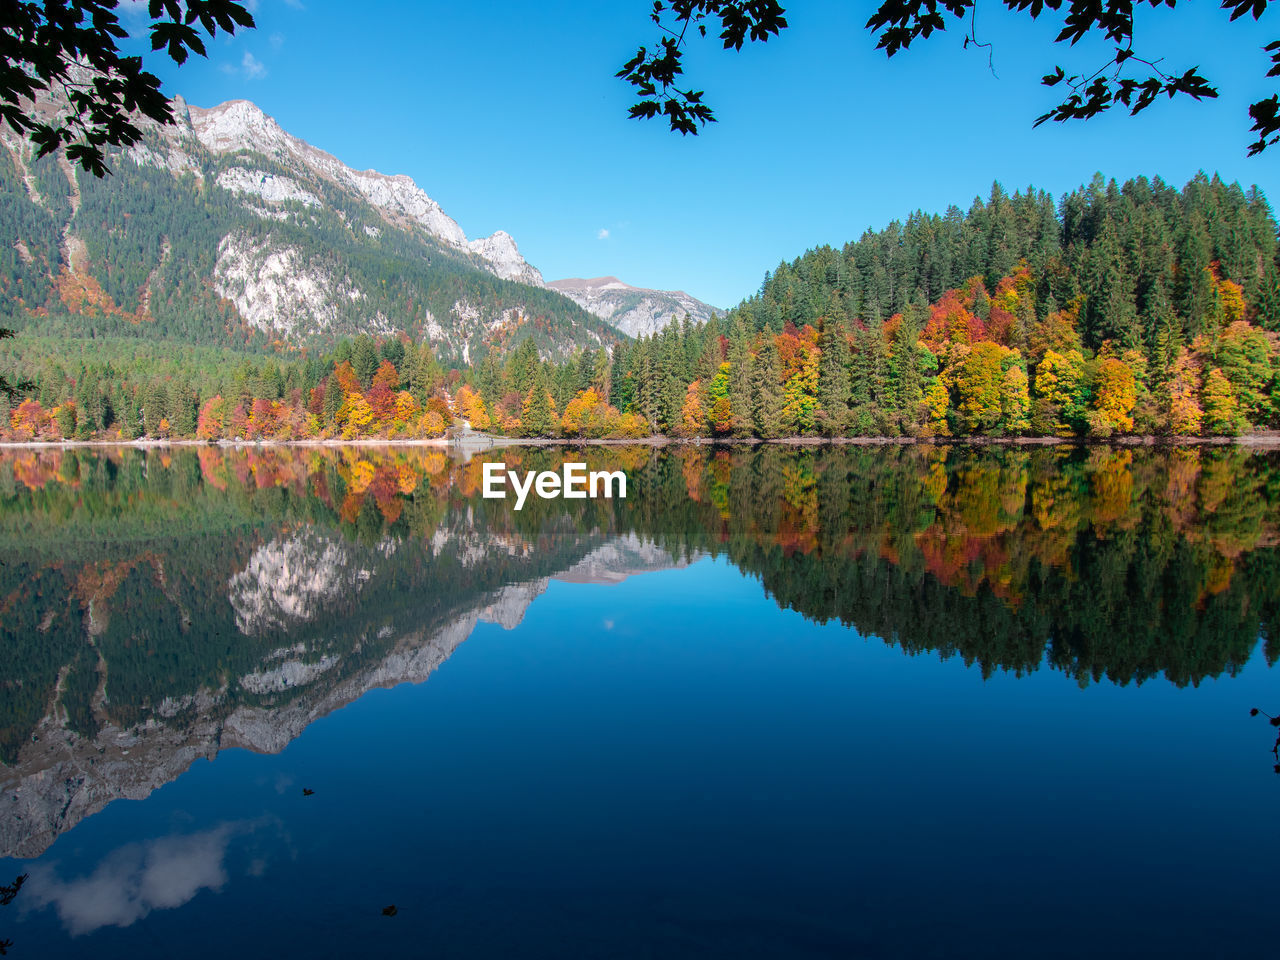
898	701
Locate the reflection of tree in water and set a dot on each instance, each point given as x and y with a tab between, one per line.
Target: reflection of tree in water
1097	561
7	894
1102	562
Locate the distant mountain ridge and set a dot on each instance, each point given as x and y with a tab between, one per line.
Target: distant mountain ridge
635	311
224	228
239	125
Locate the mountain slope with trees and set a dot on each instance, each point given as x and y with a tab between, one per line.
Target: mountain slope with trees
1121	309
224	230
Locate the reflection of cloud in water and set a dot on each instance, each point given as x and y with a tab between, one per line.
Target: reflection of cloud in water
136	879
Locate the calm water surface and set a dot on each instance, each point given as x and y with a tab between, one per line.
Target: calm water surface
859	702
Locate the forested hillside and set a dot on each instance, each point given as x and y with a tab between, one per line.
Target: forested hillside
226	231
1134	309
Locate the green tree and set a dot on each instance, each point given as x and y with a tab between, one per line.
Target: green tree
740	367
364	359
766	391
538	417
833	380
333	399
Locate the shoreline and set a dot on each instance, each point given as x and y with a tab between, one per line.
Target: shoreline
1260	440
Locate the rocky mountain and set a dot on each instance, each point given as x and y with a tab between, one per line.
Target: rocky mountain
224	228
633	310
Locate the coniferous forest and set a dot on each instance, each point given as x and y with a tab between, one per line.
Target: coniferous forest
1118	309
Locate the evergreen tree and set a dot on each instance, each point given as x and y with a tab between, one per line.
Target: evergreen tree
181	409
537	418
364	359
740	373
766	391
833	380
333	400
393	349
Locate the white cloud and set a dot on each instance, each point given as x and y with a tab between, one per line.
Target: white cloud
602	234
277	41
134	880
252	67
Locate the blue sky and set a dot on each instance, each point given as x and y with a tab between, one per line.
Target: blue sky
508	114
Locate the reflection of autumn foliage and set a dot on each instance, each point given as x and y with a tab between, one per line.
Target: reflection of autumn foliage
213	468
406	478
798	513
987	502
350	508
1111	487
998	521
35	470
720	472
692	463
432	462
385	489
961	560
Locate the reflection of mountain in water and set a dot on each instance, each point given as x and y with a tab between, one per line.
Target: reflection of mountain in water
168	603
301	583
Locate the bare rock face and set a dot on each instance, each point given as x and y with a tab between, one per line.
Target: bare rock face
239	125
276	288
633	310
500	251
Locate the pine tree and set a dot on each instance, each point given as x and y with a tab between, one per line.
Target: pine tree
766	391
537	418
833	380
364	359
740	372
333	398
905	382
424	374
181	409
622	381
599	379
393	349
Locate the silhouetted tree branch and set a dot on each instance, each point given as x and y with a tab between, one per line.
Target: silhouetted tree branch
1127	79
66	51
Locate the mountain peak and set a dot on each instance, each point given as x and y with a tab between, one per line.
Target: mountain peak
499	249
594	283
240	125
633	310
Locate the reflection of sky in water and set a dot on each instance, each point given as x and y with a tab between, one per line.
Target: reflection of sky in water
135	879
675	767
679	764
